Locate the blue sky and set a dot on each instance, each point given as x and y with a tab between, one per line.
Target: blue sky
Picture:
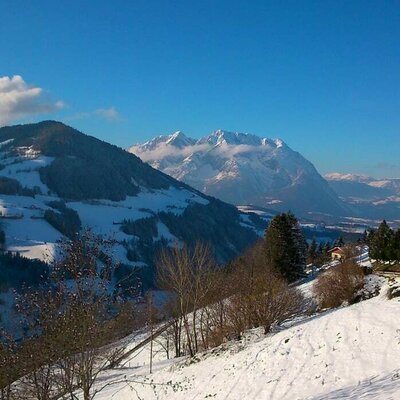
322	75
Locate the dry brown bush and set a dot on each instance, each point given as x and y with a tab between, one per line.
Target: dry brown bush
260	296
266	302
339	285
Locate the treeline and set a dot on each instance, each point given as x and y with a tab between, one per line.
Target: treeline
384	243
65	220
10	186
215	222
84	167
17	271
143	228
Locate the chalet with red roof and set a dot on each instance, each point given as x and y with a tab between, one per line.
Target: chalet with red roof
337	253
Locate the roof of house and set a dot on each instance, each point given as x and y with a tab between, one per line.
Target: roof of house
336	250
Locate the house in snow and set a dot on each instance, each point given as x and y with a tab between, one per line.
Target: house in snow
337	253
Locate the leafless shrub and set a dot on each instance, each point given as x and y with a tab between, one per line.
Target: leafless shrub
338	285
265	301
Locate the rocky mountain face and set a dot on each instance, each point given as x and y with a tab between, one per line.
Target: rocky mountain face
244	169
55	181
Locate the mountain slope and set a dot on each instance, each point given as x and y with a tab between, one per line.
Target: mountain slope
374	198
243	169
54	180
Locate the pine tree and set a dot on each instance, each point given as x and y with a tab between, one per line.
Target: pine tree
395	246
321	248
286	246
364	238
312	251
327	247
339	242
381	243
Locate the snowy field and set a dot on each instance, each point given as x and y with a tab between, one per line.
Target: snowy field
349	353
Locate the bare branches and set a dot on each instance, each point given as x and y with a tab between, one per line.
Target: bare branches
339	284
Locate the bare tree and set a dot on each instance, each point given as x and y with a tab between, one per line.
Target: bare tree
187	273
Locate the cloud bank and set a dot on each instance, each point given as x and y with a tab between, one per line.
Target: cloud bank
164	150
19	100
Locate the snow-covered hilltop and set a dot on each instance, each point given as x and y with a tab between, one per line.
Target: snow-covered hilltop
243	169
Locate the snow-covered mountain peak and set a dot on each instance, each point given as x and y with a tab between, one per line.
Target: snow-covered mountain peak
237	138
234	138
179	139
279	143
243	168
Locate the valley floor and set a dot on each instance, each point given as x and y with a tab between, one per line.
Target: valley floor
348	353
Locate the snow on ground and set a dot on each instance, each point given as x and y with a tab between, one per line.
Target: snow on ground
28	233
348	353
105	215
26	172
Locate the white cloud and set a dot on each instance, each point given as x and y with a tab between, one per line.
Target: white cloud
164	150
110	114
19	100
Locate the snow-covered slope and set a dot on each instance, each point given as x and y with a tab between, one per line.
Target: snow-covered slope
348	353
243	169
108	187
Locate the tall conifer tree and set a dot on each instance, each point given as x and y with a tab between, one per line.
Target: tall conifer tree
286	248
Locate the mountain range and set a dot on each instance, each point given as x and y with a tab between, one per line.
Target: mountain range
244	169
356	186
371	197
55	180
